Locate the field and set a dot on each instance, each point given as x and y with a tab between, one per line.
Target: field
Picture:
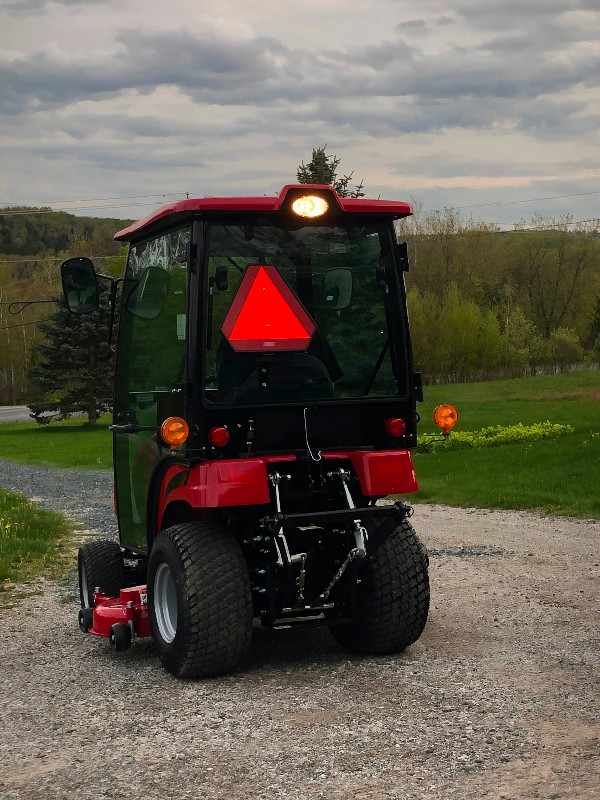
559	476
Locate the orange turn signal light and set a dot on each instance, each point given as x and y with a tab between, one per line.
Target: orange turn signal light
175	432
445	417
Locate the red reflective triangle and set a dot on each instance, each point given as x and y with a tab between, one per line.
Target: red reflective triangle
265	314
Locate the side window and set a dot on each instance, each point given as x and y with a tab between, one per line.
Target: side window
150	370
153	317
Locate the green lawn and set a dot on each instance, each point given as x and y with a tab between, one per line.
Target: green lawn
559	476
70	444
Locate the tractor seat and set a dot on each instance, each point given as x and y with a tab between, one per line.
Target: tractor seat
255	379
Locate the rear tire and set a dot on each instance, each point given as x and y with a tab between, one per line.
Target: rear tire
199	599
100	563
392	598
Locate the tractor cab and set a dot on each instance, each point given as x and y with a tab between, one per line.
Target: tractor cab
265	400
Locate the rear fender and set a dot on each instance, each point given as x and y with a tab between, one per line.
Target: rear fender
213	485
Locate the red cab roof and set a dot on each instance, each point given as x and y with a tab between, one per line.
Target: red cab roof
359	205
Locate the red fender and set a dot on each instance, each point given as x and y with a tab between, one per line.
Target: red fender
244	482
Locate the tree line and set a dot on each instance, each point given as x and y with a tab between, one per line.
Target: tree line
484	303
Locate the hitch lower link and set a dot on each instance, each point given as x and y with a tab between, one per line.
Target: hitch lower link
283	553
121	619
360	532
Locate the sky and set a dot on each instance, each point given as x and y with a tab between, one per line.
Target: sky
114	107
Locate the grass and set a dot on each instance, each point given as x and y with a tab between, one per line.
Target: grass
558	476
70	444
33	541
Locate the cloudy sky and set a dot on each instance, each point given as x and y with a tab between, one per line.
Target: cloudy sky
493	107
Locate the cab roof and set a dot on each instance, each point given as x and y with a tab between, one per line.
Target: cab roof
352	205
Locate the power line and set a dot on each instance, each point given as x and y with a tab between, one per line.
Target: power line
102	199
50	259
80	208
25	324
17	211
531	200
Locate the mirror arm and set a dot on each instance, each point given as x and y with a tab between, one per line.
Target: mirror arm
112	300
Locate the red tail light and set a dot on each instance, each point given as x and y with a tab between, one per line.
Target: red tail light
395	427
218	437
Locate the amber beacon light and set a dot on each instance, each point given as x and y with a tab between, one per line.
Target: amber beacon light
310	205
175	432
445	417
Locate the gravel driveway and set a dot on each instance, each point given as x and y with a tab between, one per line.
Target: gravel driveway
498	699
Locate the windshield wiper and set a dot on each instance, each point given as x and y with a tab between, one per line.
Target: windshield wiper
377	366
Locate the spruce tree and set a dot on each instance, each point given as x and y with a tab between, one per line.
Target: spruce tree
73	369
323	169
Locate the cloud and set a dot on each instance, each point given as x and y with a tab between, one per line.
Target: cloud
377	87
231	98
23	7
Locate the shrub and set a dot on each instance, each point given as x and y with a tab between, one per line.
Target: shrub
493	436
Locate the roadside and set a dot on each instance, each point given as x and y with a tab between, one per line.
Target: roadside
85	496
14	414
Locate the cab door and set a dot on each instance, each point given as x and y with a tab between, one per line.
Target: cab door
150	373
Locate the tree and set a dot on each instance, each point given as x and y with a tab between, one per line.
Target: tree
322	169
74	366
555	267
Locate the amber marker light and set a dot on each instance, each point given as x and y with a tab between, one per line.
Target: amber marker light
445	417
310	205
175	432
218	437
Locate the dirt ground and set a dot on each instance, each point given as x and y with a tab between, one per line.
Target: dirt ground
498	699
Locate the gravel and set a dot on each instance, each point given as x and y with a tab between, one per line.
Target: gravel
498	699
84	496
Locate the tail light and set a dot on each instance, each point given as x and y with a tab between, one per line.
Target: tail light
395	427
218	437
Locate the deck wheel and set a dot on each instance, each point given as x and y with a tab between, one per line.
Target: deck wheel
119	637
85	619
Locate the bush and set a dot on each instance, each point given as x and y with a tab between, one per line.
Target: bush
493	436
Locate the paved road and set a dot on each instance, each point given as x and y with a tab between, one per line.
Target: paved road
14	414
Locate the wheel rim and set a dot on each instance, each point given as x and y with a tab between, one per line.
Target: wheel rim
83	586
165	603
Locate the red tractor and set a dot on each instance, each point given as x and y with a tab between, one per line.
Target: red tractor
265	400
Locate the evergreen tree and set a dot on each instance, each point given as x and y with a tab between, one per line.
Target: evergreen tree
73	368
323	169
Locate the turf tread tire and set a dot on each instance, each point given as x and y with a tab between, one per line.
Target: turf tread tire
214	599
392	599
102	561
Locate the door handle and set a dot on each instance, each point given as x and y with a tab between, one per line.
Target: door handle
127	428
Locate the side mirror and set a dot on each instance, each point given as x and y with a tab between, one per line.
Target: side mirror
221	281
148	296
337	288
80	285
